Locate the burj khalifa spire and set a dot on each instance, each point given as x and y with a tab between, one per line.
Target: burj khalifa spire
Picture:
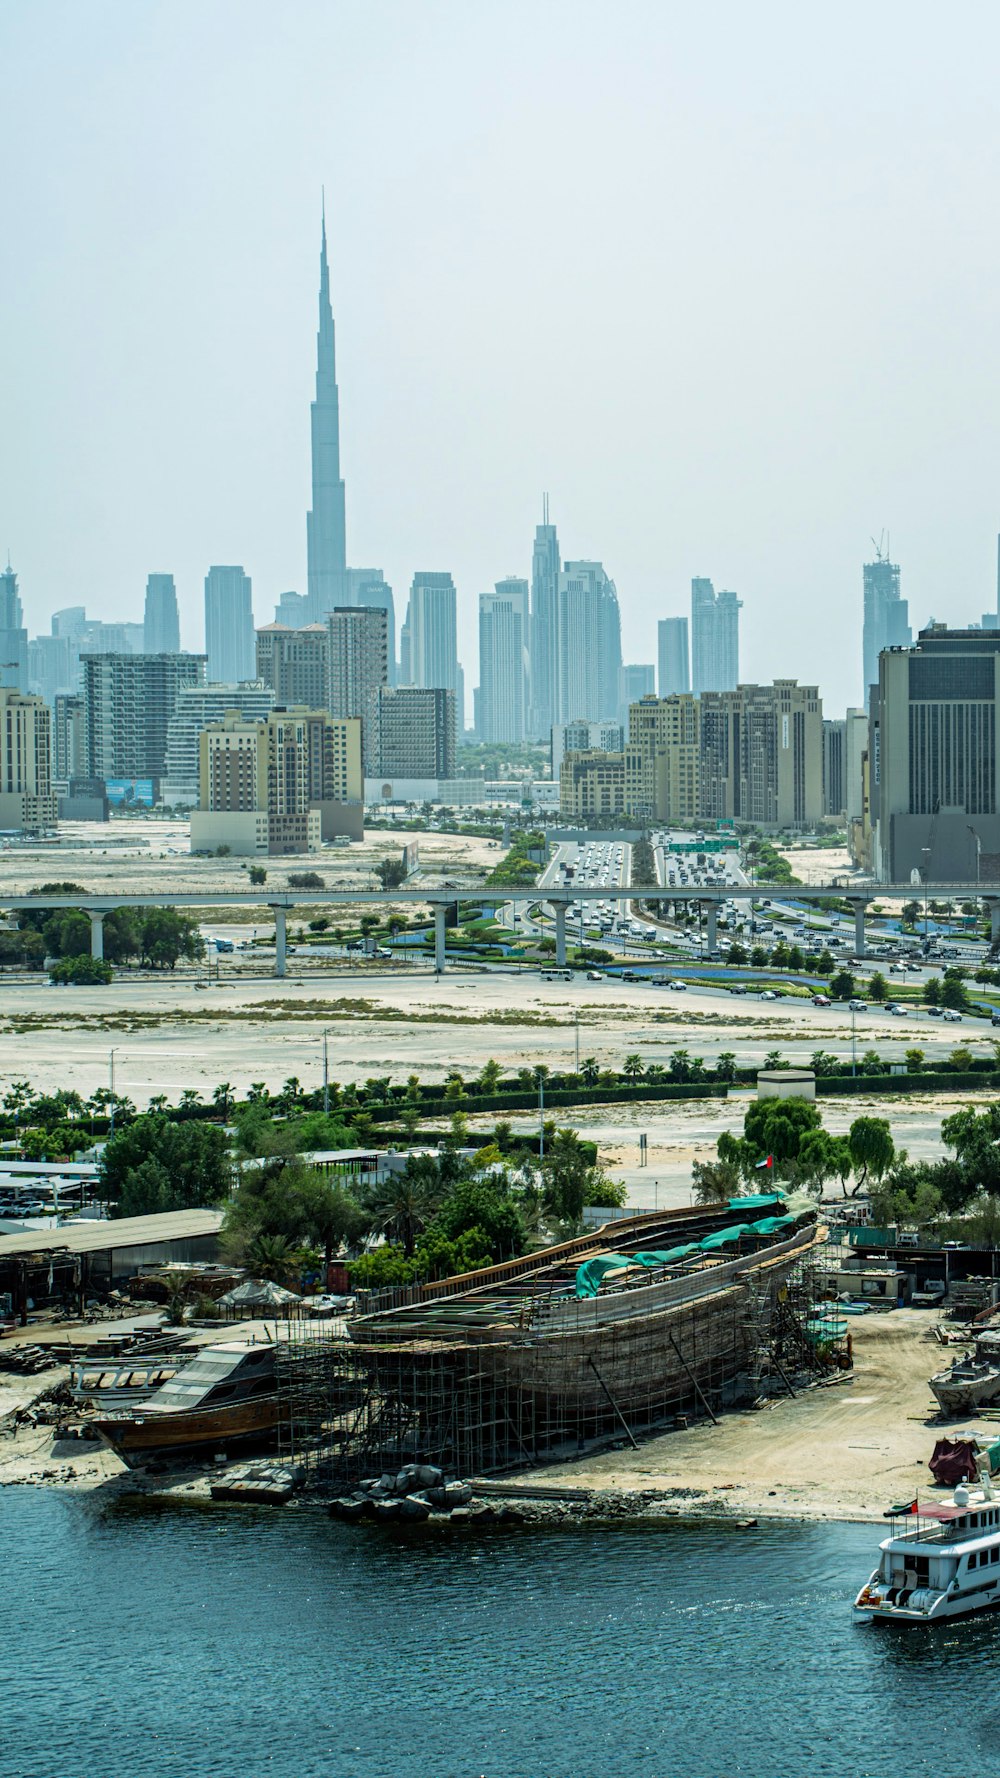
325	524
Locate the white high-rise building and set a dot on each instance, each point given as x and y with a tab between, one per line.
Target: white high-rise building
715	638
590	646
432	632
503	662
674	660
229	631
161	629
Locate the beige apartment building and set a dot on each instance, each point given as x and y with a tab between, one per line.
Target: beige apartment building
279	786
663	760
27	804
592	783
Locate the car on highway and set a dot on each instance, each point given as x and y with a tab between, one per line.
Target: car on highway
951	1016
857	1006
897	1011
680	987
594	975
769	994
822	1000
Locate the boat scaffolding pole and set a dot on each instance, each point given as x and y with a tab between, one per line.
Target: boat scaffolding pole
702	1397
633	1441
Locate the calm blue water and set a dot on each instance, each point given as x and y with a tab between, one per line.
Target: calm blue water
185	1645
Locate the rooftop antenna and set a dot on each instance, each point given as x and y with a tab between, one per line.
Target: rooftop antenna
545	509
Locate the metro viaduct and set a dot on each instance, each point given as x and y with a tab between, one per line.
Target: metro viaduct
559	899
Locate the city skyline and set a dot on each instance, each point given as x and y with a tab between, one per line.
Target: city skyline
663	462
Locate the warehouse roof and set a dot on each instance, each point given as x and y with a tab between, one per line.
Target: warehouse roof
127	1231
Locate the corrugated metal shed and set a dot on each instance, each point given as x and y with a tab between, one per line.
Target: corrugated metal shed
126	1231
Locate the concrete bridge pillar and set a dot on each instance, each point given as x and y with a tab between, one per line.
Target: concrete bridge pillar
439	937
560	907
859	927
97	933
280	940
994	912
712	915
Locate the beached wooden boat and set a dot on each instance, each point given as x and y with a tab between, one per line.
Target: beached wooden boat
225	1399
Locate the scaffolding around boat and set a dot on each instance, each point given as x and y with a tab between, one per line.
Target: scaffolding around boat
484	1380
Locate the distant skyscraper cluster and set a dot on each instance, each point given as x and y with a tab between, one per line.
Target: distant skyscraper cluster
322	697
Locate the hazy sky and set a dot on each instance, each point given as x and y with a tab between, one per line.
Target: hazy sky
724	279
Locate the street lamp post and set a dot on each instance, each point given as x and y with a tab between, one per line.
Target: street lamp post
111	1085
326	1077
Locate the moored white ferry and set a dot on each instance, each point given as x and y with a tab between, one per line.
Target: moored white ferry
940	1561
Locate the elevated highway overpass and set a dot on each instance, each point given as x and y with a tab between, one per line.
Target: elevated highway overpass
440	896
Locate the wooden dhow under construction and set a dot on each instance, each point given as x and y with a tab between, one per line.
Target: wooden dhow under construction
514	1364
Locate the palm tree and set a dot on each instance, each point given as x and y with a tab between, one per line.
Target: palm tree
159	1103
632	1067
271	1257
257	1093
222	1097
590	1070
400	1208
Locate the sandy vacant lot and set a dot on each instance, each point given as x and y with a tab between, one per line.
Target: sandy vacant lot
845	1451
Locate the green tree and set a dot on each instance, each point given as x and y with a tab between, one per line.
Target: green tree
953	991
825	963
632	1067
258	875
932	991
822	1062
715	1182
489	1076
910	913
569	1174
736	954
914	1060
872	1148
795	958
81	972
166	936
777	1127
222	1098
758	957
154	1165
842	985
878	987
725	1065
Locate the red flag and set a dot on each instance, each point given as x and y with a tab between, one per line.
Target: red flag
769	1163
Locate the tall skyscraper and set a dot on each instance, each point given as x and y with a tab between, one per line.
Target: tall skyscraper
161	630
544	640
886	616
229	635
503	662
13	635
715	638
674	660
326	532
359	663
589	644
433	635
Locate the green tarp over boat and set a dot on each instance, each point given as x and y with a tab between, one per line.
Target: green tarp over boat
756	1201
769	1225
726	1237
